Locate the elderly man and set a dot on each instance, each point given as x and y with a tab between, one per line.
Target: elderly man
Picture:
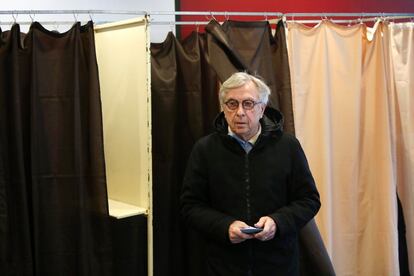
248	188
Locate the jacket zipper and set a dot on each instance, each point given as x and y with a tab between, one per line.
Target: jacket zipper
249	216
247	189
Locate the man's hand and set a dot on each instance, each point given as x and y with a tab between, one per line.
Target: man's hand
235	234
269	229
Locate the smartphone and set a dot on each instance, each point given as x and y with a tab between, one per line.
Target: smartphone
251	230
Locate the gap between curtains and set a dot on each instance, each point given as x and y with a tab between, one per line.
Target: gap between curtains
342	85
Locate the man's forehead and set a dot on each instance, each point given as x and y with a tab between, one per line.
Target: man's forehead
247	91
242	95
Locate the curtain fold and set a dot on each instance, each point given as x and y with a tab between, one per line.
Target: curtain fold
184	103
401	46
341	107
54	210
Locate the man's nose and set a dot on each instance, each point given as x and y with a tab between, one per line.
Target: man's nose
240	110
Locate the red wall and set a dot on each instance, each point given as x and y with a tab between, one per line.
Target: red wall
289	6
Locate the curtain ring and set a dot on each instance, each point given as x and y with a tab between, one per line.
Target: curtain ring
14	17
212	16
90	16
32	17
56	26
360	19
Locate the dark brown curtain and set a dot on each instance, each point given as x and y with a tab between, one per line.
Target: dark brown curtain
251	47
53	201
184	104
184	83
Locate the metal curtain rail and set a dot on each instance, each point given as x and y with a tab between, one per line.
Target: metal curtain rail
344	14
32	12
210	13
349	21
205	13
306	17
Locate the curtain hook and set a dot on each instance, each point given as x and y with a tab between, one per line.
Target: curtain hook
172	26
361	21
212	16
226	16
197	27
283	18
32	17
90	16
14	17
75	16
265	16
56	26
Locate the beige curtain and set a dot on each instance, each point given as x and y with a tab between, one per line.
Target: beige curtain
401	44
340	84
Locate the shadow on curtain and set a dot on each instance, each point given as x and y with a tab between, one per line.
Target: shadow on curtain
53	201
184	82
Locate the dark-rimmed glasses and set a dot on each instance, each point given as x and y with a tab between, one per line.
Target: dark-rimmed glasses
246	104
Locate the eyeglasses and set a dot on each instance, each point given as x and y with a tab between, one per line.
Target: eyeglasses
246	104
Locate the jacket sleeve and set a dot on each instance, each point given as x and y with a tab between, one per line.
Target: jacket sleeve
303	197
195	204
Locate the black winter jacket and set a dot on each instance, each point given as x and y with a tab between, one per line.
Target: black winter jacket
223	184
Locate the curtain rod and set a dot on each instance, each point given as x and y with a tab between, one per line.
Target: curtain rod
200	23
349	21
360	17
205	13
344	14
32	12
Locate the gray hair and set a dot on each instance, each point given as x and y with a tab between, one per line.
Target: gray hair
241	78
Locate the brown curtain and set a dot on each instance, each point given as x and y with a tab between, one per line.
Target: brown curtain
250	46
184	104
53	202
184	82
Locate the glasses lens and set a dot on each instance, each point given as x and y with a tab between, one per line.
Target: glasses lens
248	104
232	104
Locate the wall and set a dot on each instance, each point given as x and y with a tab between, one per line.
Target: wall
158	33
289	6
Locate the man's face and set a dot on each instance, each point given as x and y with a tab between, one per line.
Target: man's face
243	122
